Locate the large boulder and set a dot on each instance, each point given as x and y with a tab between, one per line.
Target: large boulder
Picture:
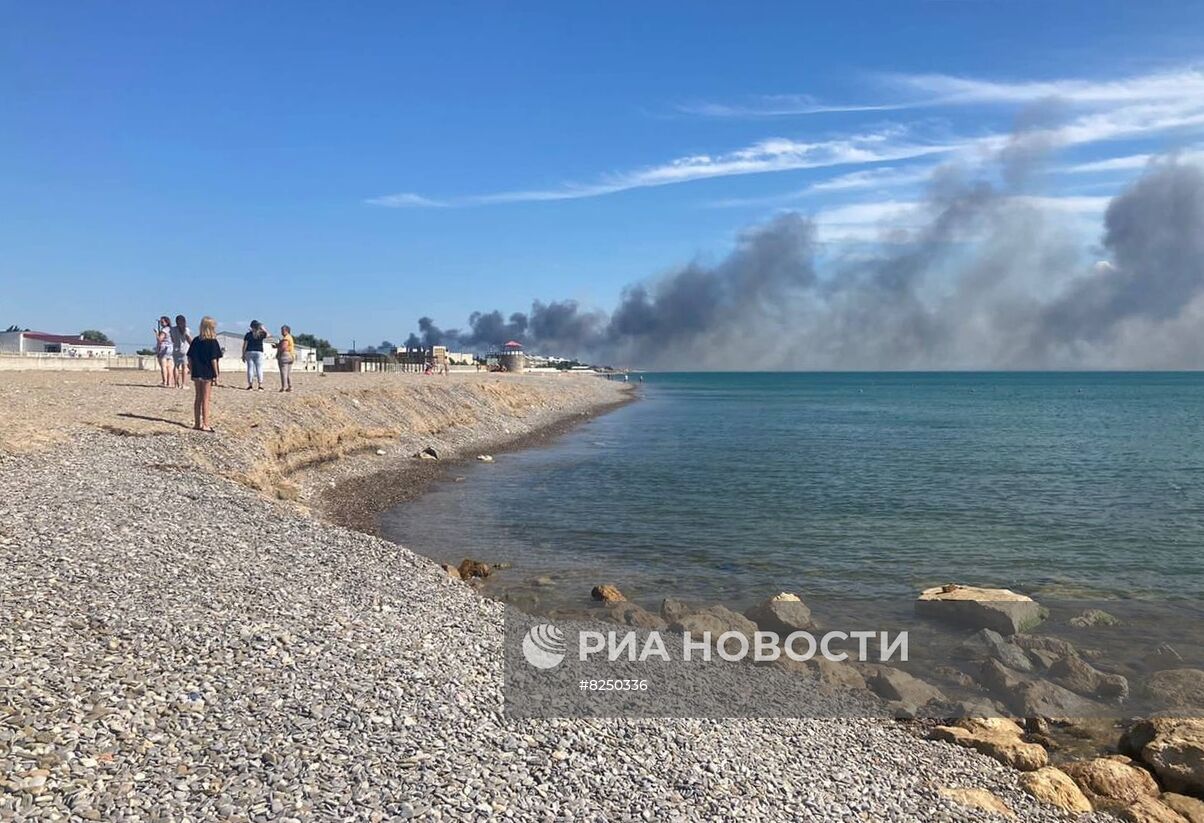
987	643
1177	689
673	609
1146	810
1034	696
716	620
1189	807
1112	781
781	614
1055	788
1079	676
839	675
1001	610
897	685
629	614
995	737
1045	643
1173	747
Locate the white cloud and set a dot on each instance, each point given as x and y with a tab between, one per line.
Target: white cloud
882	178
1128	162
771	155
947	89
780	105
403	200
1161	104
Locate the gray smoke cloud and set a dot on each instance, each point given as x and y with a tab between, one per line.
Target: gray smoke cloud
989	279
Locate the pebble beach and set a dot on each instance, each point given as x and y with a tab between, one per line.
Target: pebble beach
190	631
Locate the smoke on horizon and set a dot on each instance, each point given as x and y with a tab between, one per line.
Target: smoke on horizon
990	279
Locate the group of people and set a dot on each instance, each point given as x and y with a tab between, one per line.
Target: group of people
181	356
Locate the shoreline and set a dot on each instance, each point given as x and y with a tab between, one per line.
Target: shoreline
174	639
357	501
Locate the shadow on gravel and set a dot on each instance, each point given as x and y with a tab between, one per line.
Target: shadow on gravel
154	419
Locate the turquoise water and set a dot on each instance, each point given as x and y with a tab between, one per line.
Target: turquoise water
729	487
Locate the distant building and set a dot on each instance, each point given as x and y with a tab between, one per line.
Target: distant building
69	345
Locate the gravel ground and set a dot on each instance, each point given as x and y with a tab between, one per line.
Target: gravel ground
175	646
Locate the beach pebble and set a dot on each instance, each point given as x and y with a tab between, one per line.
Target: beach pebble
174	645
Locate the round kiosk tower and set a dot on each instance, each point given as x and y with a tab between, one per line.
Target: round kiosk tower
512	358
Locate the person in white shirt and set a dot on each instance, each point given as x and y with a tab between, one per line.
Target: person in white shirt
181	338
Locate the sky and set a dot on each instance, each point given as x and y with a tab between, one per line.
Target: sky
350	169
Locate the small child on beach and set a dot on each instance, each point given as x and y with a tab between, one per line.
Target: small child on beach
204	356
163	351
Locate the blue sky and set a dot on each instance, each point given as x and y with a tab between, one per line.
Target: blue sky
348	169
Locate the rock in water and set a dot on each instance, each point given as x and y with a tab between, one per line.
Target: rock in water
607	594
1092	618
1173	747
673	609
1081	677
1178	689
1034	696
1113	781
995	737
781	614
986	643
485	458
1056	788
1001	610
470	568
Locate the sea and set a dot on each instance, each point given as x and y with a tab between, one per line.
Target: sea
729	486
1084	489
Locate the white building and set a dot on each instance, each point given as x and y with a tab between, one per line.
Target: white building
68	345
304	358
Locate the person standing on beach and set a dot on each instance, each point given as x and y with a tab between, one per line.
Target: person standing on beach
204	356
181	337
286	352
252	353
163	351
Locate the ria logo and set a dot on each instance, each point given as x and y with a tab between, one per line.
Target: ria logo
543	646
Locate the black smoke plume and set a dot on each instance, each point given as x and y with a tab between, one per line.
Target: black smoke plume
991	278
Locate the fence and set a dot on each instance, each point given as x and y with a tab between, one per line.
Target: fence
53	361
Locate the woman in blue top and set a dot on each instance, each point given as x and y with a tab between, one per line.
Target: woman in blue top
252	353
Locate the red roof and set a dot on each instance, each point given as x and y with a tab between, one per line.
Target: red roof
73	339
513	344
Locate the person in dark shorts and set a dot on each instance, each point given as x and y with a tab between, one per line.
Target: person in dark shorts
204	357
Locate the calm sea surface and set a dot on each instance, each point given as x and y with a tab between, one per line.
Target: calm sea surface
731	487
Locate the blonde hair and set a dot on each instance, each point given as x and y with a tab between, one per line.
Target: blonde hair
208	328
